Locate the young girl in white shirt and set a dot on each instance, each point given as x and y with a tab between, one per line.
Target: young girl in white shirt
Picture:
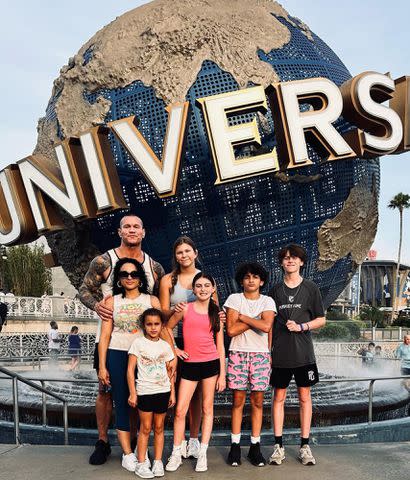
153	392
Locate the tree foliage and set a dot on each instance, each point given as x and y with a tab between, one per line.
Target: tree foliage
24	272
372	315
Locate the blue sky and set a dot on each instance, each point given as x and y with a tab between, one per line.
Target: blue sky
39	37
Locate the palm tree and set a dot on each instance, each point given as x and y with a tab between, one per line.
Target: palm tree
399	202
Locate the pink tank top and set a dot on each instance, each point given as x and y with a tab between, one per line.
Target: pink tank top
198	337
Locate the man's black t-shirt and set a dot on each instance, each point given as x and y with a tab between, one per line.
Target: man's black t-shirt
300	304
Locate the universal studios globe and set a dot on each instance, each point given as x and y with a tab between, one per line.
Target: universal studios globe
167	51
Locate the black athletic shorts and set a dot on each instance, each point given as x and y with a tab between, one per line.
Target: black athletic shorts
405	371
305	376
155	403
197	371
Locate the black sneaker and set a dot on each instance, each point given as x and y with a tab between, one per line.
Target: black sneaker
100	453
255	456
234	456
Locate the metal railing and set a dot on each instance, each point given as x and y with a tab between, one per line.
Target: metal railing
15	378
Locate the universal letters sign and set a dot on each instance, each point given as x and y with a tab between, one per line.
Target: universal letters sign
86	183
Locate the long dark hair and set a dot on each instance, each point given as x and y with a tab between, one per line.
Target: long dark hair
213	309
176	267
143	288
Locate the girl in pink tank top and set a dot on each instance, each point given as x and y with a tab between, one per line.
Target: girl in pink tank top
203	343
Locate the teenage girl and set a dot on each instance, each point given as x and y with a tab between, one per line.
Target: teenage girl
154	392
205	363
175	288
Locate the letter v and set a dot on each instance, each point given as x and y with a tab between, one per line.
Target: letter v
162	174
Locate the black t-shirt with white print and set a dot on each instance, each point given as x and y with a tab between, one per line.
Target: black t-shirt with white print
294	349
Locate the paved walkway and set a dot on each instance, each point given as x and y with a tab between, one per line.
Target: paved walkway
335	462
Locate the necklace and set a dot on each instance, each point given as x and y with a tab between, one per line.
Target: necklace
291	298
252	304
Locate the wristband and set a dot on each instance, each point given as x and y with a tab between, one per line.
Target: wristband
301	327
308	326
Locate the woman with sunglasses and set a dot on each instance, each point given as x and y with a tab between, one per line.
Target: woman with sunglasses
130	299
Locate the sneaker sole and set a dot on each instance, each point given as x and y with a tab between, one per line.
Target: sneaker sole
201	469
143	476
129	469
309	463
173	469
159	474
276	462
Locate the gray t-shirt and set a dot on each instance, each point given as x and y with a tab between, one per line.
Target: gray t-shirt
294	349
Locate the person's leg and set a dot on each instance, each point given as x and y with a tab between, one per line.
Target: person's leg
238	403
117	367
159	420
278	411
185	393
143	434
256	412
195	410
305	410
208	395
103	413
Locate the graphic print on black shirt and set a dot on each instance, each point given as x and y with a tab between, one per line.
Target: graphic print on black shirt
300	304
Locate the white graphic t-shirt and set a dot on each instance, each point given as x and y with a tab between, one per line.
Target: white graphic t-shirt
126	325
252	340
152	374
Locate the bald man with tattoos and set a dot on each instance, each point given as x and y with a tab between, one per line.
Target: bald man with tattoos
96	287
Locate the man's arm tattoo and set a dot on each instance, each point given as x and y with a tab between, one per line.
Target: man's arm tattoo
159	272
90	292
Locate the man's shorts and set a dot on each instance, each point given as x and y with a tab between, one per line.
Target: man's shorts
305	376
155	403
405	371
248	369
197	371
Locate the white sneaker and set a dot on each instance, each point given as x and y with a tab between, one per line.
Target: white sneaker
193	448
184	449
277	456
201	463
158	468
129	462
174	461
147	460
143	471
305	456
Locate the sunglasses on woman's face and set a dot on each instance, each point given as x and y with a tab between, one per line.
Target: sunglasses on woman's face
125	274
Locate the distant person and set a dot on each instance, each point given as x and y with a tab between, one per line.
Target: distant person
367	354
54	342
3	314
403	353
74	348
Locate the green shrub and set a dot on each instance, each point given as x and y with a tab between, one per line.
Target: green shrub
334	331
354	329
402	322
336	315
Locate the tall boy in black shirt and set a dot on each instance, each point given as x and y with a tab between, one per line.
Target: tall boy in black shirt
299	310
